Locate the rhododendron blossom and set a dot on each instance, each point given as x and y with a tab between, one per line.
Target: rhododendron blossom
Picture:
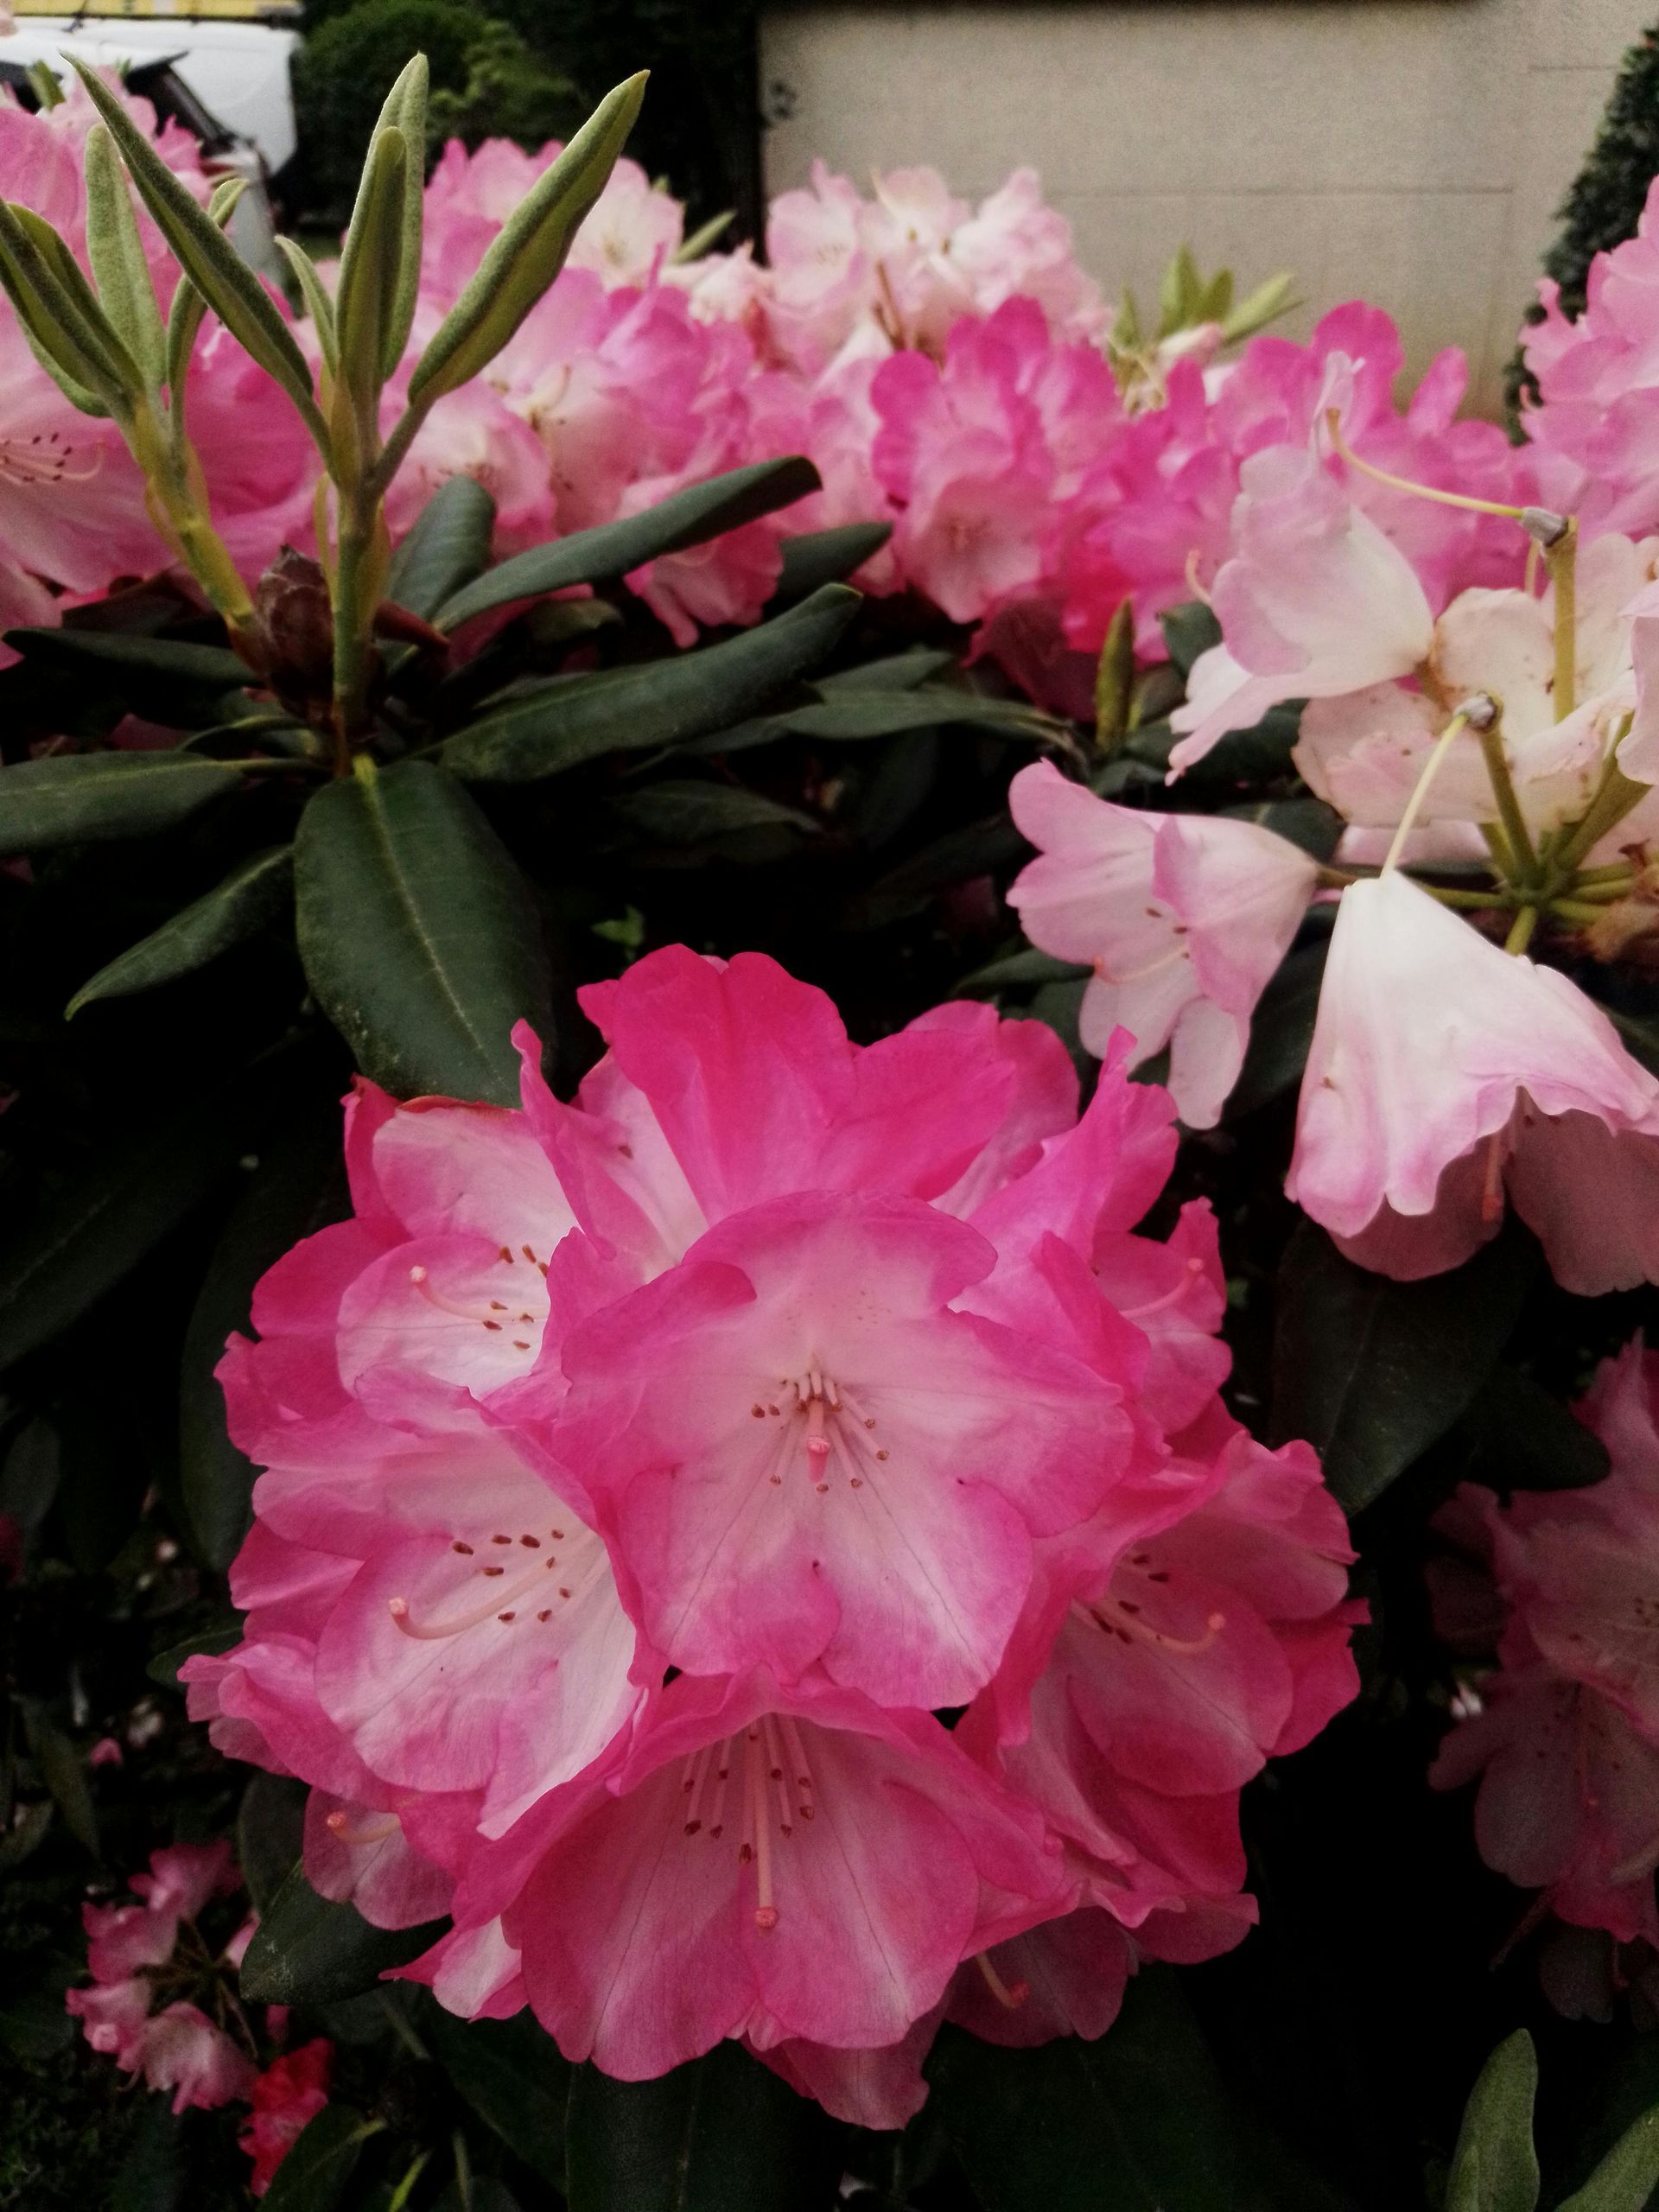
290	2092
1183	918
1566	1735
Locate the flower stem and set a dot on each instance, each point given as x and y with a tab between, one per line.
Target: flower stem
1345	452
1520	935
1562	561
1453	729
1515	832
1614	798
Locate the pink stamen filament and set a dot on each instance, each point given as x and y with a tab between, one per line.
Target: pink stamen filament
499	1598
1125	1621
1014	1997
339	1824
1194	1269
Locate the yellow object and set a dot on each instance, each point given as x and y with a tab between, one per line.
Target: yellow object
186	11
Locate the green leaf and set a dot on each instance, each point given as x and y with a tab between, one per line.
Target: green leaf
188	309
420	939
510	2073
64	1772
1281	1031
1014	969
29	1480
151	2177
616	549
1136	2122
675	813
67	328
1628	2174
445	550
826	556
1523	1437
269	1831
82	798
1372	1371
102	654
1270	299
309	1951
1308	823
722	2134
314	294
1495	2168
288	1197
101	1495
847	717
100	1224
321	2160
406	111
1189	630
239	907
164	1667
207	258
116	253
557	726
1114	678
528	251
368	295
902	671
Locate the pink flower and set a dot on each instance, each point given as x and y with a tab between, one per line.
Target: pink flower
291	2091
781	1865
183	2052
1443	1070
1566	1735
1183	918
1315	600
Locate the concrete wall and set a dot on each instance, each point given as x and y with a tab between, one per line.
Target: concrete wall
1412	151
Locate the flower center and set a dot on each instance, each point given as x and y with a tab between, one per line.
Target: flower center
497	1315
819	1417
581	1567
44	458
751	1781
1125	1617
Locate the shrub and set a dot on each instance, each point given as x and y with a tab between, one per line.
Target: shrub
344	71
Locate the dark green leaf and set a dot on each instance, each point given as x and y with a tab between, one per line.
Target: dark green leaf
1017	968
105	1478
614	549
101	1224
1627	2177
1495	2168
850	716
1523	1437
309	1951
64	1772
106	653
288	1195
238	908
35	2026
722	2134
270	1830
419	937
1307	823
75	799
164	1667
27	1832
510	2073
151	2178
557	726
446	550
314	2173
1281	1030
28	1481
1640	1039
978	848
1372	1371
827	556
1189	631
688	813
893	672
1136	2122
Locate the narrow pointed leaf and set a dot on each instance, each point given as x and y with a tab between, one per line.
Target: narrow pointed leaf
367	298
1495	2168
321	2161
184	317
406	108
528	251
83	357
721	2134
315	293
827	556
420	939
1627	2177
86	797
249	897
555	726
446	550
207	258
614	549
510	2073
309	1951
116	253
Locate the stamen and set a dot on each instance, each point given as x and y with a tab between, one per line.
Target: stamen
766	1912
696	1771
338	1823
1194	1269
435	1632
1014	1997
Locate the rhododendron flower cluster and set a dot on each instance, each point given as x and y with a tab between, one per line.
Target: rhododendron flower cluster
134	1951
290	2092
1564	1737
645	1473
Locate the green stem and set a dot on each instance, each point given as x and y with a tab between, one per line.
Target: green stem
1515	832
1561	559
1476	902
1576	910
1520	935
1613	799
1618	872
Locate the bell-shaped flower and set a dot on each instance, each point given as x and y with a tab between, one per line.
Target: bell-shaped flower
1442	1071
1315	600
1182	918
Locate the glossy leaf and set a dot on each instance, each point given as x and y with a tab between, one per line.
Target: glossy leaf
269	1829
31	1474
306	1950
1281	1031
315	2169
688	813
722	2134
555	726
288	1195
510	2073
1189	630
87	798
231	912
1524	1437
1495	2168
119	655
528	251
445	550
1627	2177
64	1772
164	1667
826	556
614	549
420	939
100	1224
1372	1371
